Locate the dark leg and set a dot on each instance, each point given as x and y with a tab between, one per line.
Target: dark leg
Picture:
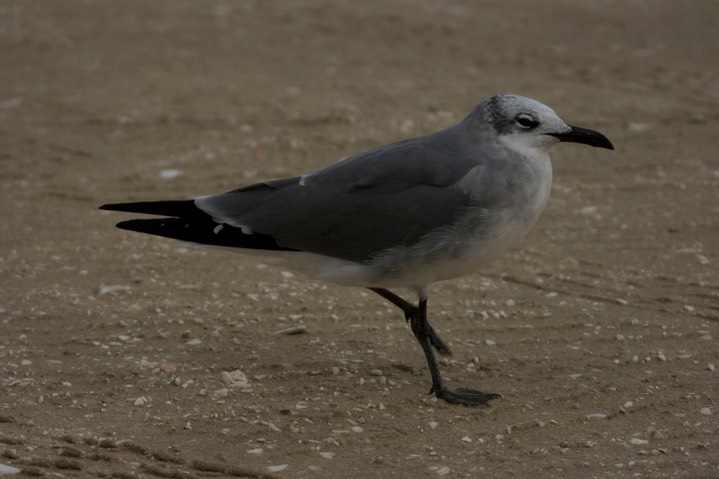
417	316
409	311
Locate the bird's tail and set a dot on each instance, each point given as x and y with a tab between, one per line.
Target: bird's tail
186	222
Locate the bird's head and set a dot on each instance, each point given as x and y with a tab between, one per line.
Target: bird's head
523	123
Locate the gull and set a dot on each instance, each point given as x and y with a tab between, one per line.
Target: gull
407	214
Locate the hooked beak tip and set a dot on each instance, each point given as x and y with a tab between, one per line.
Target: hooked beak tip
585	136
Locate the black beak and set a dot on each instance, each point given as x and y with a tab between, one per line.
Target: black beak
586	136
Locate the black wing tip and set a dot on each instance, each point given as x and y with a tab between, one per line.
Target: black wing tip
175	228
202	231
184	221
131	225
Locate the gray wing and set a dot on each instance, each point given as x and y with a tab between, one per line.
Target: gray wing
388	197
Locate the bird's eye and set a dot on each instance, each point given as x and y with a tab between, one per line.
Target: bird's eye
526	121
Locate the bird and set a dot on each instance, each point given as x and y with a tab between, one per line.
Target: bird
404	215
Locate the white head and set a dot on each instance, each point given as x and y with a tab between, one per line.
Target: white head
523	123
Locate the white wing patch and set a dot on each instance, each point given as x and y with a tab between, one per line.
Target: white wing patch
219	216
303	179
246	230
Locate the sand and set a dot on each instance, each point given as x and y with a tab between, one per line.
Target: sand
129	356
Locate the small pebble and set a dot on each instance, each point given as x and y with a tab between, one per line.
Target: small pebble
638	442
706	411
278	468
327	455
255	451
141	401
467	439
112	288
194	342
293	330
596	415
170	174
6	470
168	367
490	342
235	378
638	127
443	471
710	367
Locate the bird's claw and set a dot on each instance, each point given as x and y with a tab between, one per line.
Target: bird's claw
465	397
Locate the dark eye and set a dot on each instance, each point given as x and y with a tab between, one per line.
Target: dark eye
526	121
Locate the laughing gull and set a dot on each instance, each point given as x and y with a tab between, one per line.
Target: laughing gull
402	215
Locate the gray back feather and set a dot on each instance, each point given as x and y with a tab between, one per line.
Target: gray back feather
387	197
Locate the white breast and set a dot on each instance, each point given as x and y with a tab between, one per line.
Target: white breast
477	238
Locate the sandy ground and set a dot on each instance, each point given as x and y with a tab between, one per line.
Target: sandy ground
600	331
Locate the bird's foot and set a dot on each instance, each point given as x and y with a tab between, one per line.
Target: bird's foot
465	397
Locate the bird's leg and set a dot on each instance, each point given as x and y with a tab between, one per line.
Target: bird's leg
410	310
422	331
428	339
